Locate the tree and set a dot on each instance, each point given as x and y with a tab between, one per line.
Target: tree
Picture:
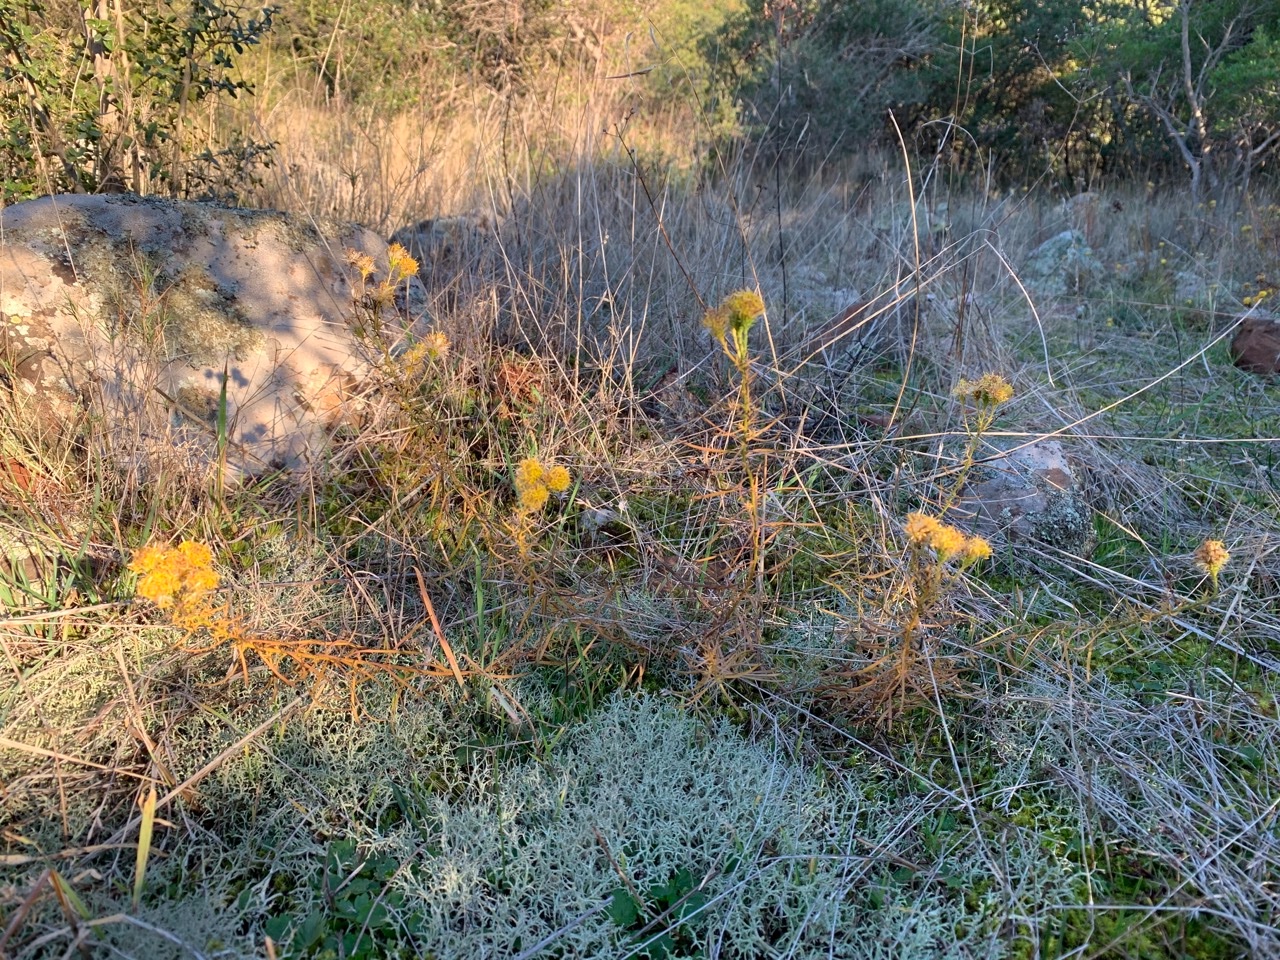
1207	72
825	72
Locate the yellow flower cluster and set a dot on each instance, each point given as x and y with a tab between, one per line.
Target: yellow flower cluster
947	542
1211	557
402	265
535	483
734	318
434	346
717	321
362	262
178	576
989	390
743	306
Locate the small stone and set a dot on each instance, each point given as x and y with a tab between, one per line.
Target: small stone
1256	345
1030	493
1063	264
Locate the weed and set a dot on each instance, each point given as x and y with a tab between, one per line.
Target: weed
181	581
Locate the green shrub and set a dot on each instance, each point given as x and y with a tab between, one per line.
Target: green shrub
825	72
96	98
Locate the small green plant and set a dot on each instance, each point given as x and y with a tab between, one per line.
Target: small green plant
359	916
663	921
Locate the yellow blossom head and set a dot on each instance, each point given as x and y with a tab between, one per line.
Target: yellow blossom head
989	390
195	554
528	474
975	549
148	558
362	262
920	528
947	541
534	498
436	345
557	479
717	321
402	265
175	576
414	356
731	322
742	309
1211	557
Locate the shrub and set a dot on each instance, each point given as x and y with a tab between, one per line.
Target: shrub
824	71
99	99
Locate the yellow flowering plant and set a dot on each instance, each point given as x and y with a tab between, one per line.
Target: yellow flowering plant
372	299
924	532
986	394
982	399
180	580
535	482
433	348
937	554
1210	557
731	322
402	265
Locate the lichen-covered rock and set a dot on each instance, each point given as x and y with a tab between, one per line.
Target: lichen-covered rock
124	312
1063	264
1030	493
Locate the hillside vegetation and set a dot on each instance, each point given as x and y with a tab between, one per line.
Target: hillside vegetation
647	614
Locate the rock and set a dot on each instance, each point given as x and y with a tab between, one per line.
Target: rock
870	330
1256	345
441	244
125	311
1082	204
1190	288
1063	264
1031	493
897	220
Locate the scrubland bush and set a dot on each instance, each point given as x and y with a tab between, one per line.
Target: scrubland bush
100	97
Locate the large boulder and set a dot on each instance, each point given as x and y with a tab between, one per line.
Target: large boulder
125	312
442	245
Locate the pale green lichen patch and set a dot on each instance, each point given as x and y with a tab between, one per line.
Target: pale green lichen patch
206	326
201	405
159	302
